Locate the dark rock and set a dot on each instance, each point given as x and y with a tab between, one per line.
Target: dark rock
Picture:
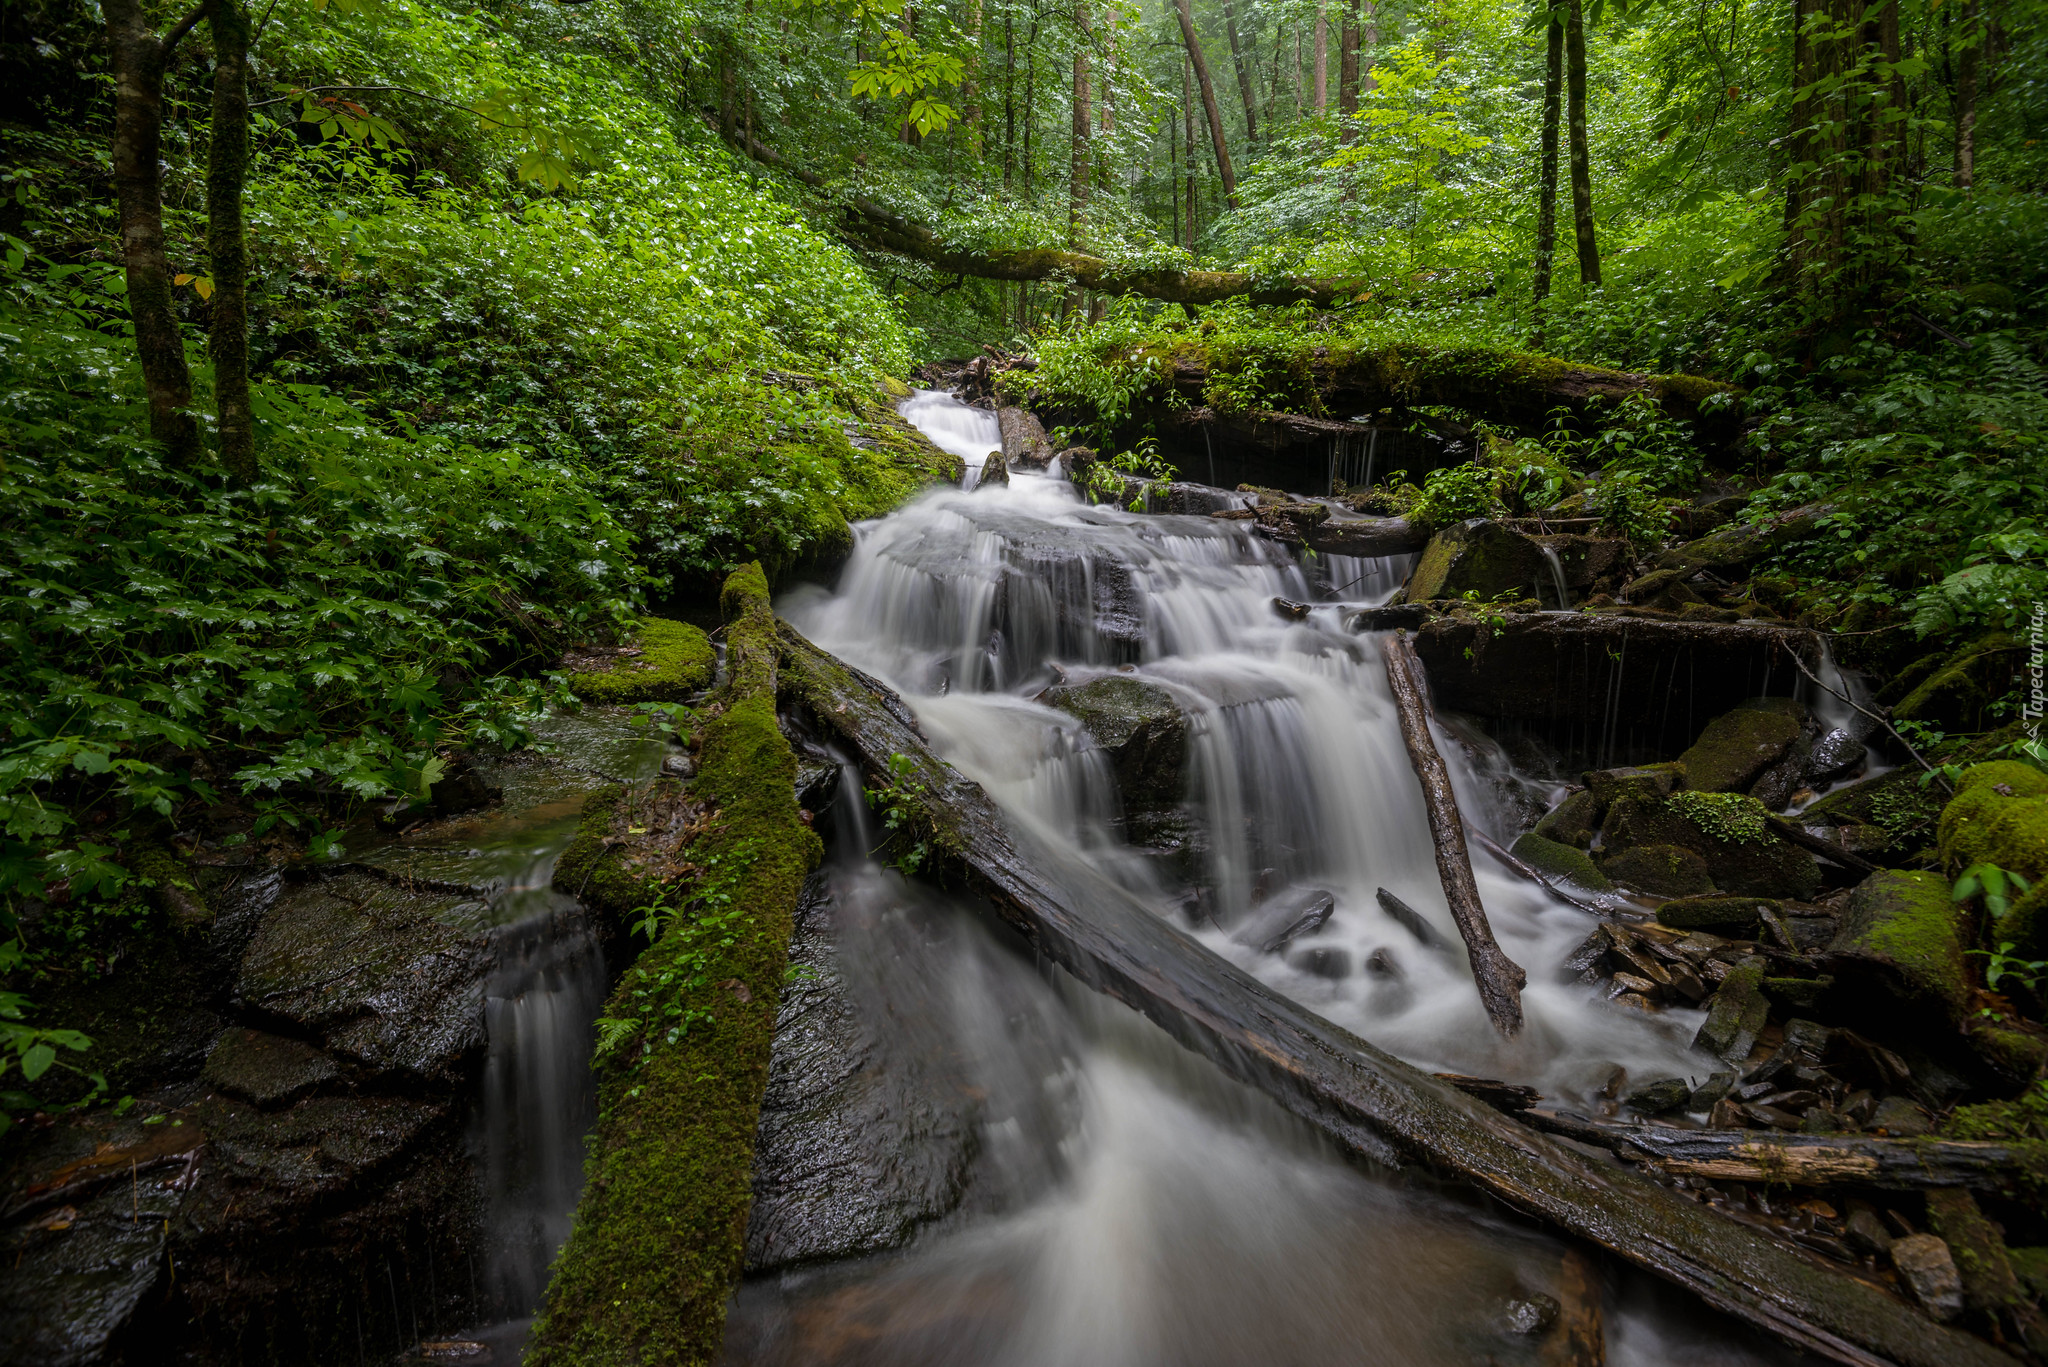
1925	1265
1711	1092
994	469
1835	756
1897	959
1480	558
1799	994
1957	694
384	976
1736	1013
1737	747
1574	820
1978	1249
1024	439
1659	1097
1334	964
1562	862
1865	1232
1899	1118
1761	866
1666	870
1605	785
1737	918
462	787
1141	727
266	1069
1381	963
1287	917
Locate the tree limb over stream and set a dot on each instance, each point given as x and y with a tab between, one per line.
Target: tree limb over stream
1369	1101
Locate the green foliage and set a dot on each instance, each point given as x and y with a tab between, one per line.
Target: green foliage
1998	887
1105	476
1456	493
1106	367
1627	505
900	802
1733	818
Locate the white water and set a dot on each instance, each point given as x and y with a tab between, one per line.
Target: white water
1193	1223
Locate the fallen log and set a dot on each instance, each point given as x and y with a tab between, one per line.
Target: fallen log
1813	844
1500	978
1529	871
1368	1101
1409	919
1310	525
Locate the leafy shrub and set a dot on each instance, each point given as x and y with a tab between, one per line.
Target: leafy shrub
1456	493
1628	506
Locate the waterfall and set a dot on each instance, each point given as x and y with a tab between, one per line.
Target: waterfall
1557	584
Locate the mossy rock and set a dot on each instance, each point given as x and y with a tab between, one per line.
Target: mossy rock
1735	1013
1140	727
1647	781
1665	870
1957	695
1573	821
1999	815
1735	748
1736	918
1481	558
1563	862
1766	866
675	661
1898	956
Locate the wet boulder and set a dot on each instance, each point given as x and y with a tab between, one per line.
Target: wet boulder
265	1069
1564	862
1590	564
1142	729
1836	755
994	470
1480	558
1897	957
1662	870
1650	781
1024	441
1574	820
385	976
1741	854
1954	692
1739	918
1739	747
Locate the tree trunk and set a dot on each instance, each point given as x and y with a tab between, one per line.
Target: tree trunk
1367	1101
1244	76
1187	111
1546	175
1322	63
1799	149
1500	979
1216	137
1347	73
970	85
227	167
1968	65
1009	100
1582	169
138	60
1077	167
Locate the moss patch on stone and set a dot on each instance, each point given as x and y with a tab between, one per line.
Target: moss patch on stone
1736	747
1766	867
1563	862
675	661
1898	937
1665	870
1484	559
683	1054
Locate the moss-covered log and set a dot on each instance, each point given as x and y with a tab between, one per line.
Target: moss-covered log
1362	1097
682	1059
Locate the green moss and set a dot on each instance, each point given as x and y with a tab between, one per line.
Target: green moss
676	660
1738	746
1734	818
1958	694
659	1233
1562	861
2000	816
1903	926
595	868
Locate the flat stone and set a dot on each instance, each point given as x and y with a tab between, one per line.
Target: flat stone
1925	1265
266	1069
1661	1096
1899	1118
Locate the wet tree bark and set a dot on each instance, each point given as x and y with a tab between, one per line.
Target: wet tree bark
1368	1101
1968	65
1216	136
226	243
1546	190
138	59
1581	157
1500	978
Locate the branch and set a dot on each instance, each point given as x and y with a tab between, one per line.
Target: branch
184	26
1918	758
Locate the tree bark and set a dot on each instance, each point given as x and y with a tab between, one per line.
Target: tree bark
970	85
1322	63
1582	170
1500	978
138	61
1187	110
1799	147
1244	77
1546	175
227	167
1968	66
1216	136
1368	1101
1347	73
1077	168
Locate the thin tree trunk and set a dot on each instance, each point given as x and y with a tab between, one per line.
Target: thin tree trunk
1347	73
1187	113
1030	106
1582	170
1799	149
1968	65
1546	176
1194	46
970	85
1244	76
139	57
1077	169
1009	100
1322	63
227	168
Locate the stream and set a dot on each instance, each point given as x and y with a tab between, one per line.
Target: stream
1126	1204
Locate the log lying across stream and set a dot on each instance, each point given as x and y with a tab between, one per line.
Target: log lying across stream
1369	1101
1500	978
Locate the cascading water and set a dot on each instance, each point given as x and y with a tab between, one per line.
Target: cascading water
969	433
1196	1223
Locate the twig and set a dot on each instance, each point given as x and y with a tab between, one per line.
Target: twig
1918	758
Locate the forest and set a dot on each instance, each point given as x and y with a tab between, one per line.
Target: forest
406	399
